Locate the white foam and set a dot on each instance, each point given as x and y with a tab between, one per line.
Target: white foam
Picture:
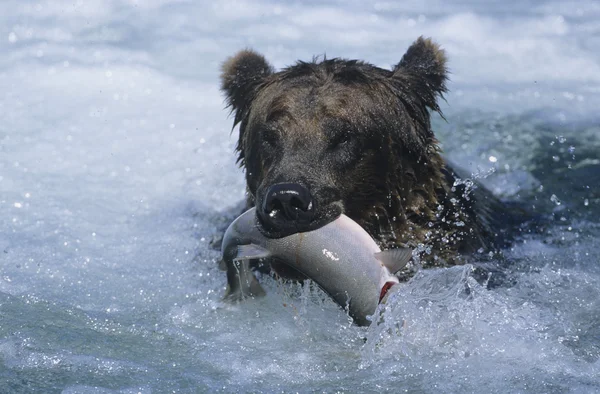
116	162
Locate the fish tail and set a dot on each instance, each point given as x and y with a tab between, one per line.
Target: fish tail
241	282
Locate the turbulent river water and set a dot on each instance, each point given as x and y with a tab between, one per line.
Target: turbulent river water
117	169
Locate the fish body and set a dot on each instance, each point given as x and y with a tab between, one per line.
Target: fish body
340	257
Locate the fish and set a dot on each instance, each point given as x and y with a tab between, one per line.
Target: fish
340	257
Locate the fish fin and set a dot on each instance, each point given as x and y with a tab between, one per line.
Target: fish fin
394	259
241	282
250	252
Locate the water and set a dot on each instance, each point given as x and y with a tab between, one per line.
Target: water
117	169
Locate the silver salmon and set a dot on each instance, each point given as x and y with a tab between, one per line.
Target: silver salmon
341	257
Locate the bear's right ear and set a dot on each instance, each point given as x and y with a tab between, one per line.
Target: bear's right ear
240	77
425	63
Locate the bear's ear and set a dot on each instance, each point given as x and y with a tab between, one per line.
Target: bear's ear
240	77
425	62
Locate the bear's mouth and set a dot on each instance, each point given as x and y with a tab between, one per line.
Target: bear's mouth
279	224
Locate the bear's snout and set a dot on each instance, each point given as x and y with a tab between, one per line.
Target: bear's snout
287	208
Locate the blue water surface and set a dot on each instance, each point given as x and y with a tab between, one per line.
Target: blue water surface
117	169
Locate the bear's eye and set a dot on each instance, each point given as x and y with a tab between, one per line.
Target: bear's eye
345	149
270	139
340	140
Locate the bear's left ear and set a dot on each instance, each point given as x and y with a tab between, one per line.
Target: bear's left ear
425	62
240	77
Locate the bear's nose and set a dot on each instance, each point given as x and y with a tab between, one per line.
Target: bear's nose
287	208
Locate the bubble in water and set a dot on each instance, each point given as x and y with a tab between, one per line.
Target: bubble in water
586	202
561	139
12	37
555	199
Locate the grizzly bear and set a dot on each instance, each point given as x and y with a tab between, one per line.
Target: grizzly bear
332	136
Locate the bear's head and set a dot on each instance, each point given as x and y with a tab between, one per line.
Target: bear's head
334	136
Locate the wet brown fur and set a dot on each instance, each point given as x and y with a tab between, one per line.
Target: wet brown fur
360	138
